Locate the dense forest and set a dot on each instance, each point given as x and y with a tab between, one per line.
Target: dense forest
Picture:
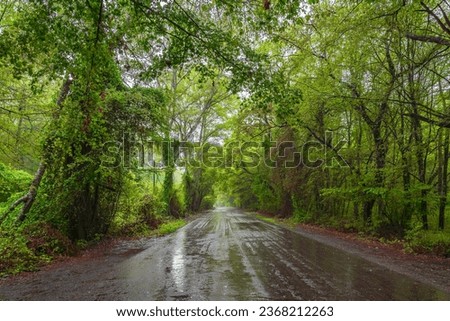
120	118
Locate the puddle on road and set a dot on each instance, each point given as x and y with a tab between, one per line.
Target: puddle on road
239	279
179	261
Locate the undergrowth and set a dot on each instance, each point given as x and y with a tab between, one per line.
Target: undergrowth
37	241
169	227
31	246
266	219
435	242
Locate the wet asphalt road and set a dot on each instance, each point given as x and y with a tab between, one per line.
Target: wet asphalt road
224	255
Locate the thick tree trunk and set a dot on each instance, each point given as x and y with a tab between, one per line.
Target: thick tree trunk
380	162
367	211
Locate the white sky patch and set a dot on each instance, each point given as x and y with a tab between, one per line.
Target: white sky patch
243	94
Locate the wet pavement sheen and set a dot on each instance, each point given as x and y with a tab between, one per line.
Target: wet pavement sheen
223	255
229	255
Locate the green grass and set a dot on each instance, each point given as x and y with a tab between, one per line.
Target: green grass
271	220
286	222
169	227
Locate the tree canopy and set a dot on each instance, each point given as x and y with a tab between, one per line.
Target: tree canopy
123	114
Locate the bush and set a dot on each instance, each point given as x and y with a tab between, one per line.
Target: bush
139	218
44	239
301	216
15	256
12	181
27	248
149	211
138	211
176	208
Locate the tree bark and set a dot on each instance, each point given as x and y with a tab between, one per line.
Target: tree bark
429	39
443	151
418	139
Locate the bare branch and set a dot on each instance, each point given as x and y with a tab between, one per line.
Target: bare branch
438	20
430	39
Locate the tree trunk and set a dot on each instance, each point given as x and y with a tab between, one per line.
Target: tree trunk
406	176
380	162
20	157
413	96
443	173
421	162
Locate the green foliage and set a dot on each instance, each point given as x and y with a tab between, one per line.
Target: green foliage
301	216
268	200
15	256
266	219
198	188
137	110
175	205
86	177
435	242
31	246
12	181
170	227
372	73
208	202
138	210
141	213
24	113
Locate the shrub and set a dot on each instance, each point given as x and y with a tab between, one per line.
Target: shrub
12	181
44	239
176	208
27	248
138	211
301	216
15	256
435	242
149	211
138	214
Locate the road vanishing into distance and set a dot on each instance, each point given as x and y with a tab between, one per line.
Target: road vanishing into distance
225	254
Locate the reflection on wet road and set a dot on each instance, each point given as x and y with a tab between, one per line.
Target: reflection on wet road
228	255
223	255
